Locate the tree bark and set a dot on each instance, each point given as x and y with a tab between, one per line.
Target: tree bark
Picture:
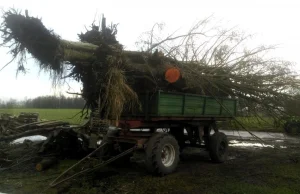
46	163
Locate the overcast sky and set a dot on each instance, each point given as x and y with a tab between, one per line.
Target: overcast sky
272	21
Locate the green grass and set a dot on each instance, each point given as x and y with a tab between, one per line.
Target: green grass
250	123
266	172
265	124
212	179
50	114
32	182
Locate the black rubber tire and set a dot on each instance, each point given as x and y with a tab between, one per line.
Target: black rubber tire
206	137
154	149
218	147
292	127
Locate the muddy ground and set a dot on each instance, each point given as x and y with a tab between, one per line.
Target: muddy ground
250	168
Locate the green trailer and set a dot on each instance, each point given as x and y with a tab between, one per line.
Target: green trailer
170	104
167	123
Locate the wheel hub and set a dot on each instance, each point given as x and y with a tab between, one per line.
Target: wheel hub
167	155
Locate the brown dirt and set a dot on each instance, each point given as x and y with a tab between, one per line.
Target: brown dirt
247	170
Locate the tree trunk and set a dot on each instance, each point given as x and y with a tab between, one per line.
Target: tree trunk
46	163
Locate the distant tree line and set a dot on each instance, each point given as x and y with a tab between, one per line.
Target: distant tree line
45	102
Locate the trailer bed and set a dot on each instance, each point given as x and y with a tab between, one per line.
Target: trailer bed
181	106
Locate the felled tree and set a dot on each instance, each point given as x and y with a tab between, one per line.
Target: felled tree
222	64
209	62
98	66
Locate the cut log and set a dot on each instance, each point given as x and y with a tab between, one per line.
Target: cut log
46	163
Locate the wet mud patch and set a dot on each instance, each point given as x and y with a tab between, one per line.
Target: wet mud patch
249	169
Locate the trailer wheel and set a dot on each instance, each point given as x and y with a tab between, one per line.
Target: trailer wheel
162	154
218	147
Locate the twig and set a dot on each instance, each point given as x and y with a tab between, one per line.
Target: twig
96	167
8	63
75	93
52	184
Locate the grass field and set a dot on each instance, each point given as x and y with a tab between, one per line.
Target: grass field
250	123
68	115
255	124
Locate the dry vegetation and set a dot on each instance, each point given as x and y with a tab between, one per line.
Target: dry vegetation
211	60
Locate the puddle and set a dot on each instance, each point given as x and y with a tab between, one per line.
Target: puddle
262	135
231	157
235	143
31	138
279	140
